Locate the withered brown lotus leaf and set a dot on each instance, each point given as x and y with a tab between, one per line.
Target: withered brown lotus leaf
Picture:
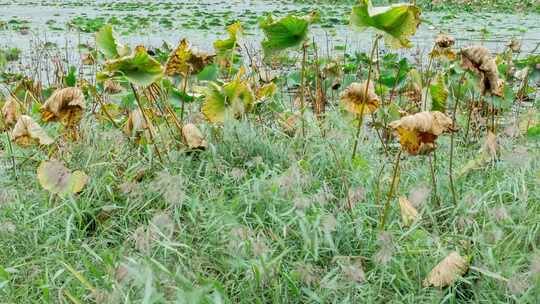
112	87
193	137
445	41
355	99
65	105
447	271
479	60
187	60
409	214
54	177
443	47
418	132
136	124
10	113
27	132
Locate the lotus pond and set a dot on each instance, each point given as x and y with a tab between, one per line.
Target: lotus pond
280	151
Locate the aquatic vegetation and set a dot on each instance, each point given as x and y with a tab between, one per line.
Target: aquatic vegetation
290	166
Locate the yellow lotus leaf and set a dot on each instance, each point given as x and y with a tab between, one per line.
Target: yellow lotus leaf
447	271
266	91
418	132
409	214
26	132
193	137
479	60
64	105
10	113
56	178
359	100
231	99
187	60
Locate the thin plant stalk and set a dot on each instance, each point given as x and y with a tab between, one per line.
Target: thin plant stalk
386	209
361	115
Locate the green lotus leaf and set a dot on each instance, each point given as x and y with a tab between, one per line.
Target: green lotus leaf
108	44
284	33
56	178
139	67
225	46
397	22
231	99
439	95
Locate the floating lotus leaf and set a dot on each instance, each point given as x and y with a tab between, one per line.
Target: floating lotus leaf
65	105
398	22
56	178
26	132
418	132
356	100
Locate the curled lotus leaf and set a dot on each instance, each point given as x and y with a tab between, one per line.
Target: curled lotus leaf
193	137
186	60
418	132
479	60
27	132
360	98
450	269
397	22
65	105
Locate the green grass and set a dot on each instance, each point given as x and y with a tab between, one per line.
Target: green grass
258	219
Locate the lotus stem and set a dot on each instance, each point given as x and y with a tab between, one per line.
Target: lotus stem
361	115
147	121
13	164
450	165
433	179
302	90
386	209
427	83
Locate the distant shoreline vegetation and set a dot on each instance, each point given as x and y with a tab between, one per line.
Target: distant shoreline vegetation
526	6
